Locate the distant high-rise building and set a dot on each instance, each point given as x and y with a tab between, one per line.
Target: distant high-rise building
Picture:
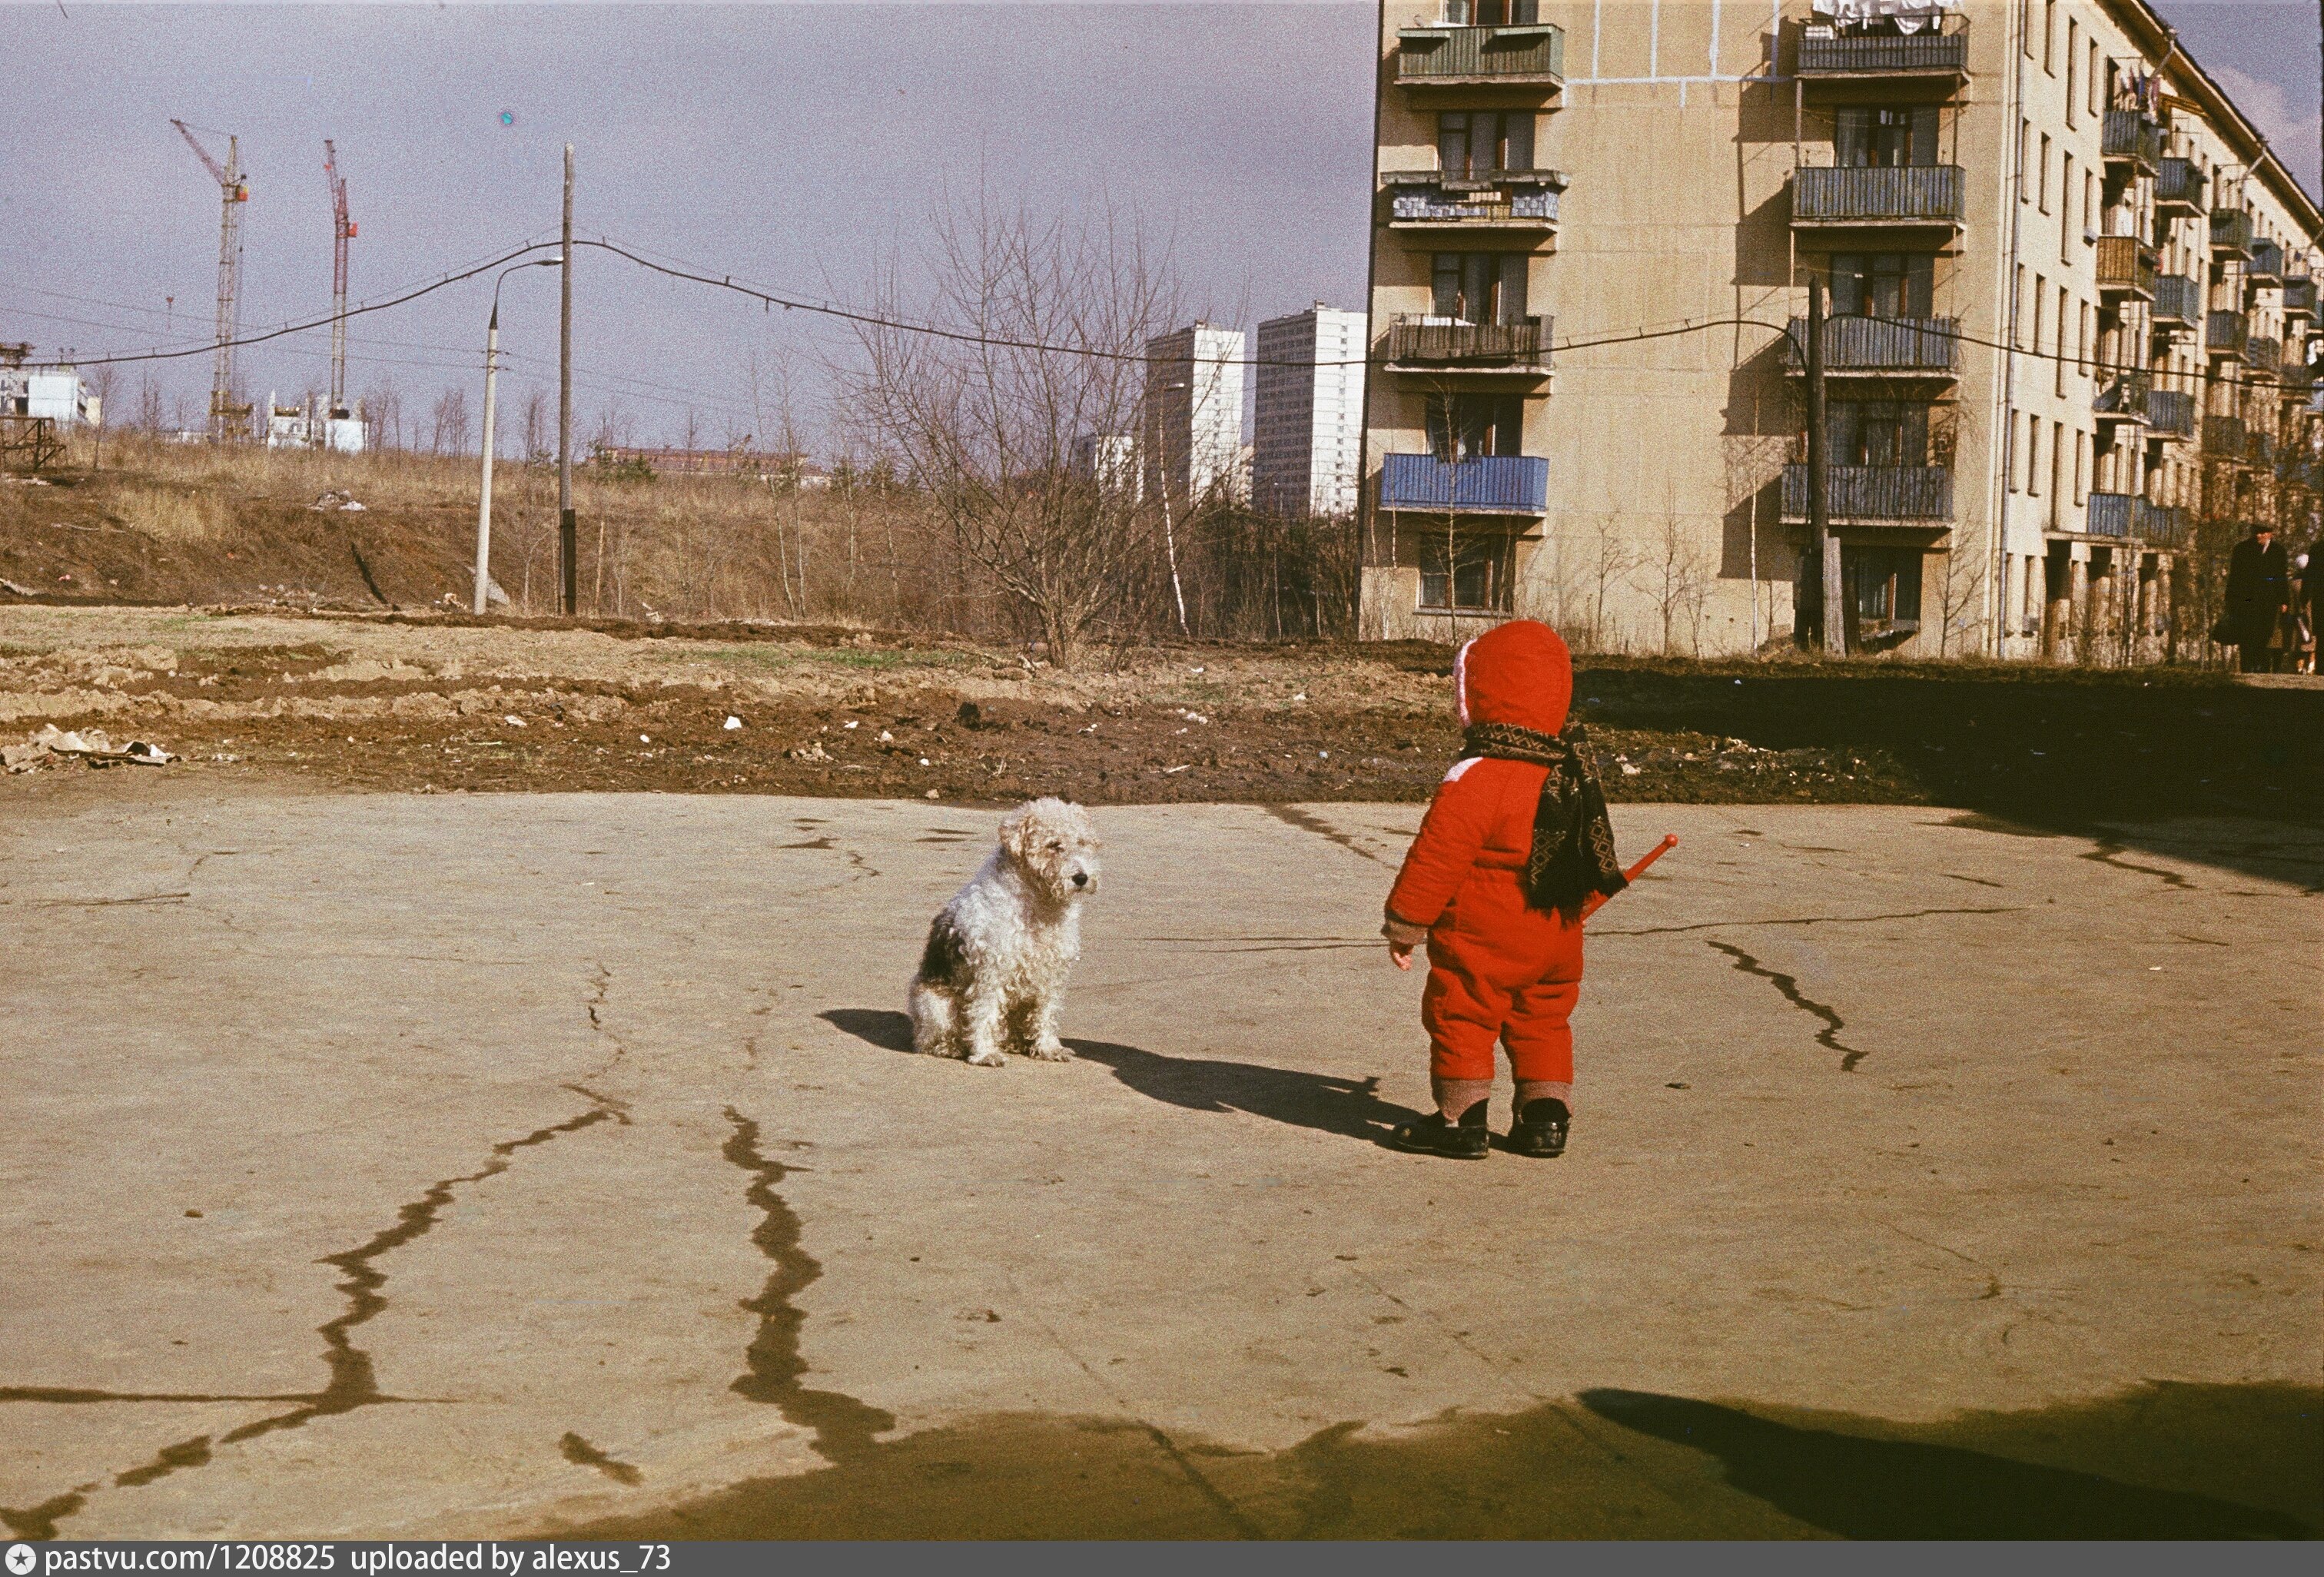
1311	412
1193	411
1111	460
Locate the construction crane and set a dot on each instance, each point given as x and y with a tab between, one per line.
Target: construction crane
233	192
343	230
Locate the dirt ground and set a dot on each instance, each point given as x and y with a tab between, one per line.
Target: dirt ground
446	703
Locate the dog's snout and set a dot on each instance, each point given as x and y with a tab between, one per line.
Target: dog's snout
1081	879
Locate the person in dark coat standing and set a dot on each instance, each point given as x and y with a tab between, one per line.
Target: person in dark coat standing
2259	593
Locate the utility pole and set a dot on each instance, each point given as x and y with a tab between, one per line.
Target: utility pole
1827	546
485	487
567	553
343	230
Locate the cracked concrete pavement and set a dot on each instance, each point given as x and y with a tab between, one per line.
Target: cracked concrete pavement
404	1165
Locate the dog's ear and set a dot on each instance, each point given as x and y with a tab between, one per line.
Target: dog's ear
1015	831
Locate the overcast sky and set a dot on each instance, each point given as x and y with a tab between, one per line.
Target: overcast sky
789	144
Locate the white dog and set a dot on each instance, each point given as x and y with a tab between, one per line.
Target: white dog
994	969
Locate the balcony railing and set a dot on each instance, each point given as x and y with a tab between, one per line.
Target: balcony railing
2127	264
1866	55
1900	495
1442	344
2161	524
1898	347
2133	135
1523	198
1919	194
2225	334
2263	356
2179	184
2299	297
2178	300
1503	484
2266	264
2125	397
2231	231
2171	413
2109	513
1446	57
2228	437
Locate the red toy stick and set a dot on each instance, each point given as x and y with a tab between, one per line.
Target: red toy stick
1670	841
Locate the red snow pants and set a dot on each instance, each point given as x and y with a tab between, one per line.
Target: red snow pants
1501	971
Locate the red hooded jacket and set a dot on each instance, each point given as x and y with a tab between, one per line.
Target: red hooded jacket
1473	843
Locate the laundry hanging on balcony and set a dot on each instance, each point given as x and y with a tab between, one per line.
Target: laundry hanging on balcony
1908	16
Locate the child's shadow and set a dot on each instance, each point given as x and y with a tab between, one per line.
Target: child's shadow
1351	1108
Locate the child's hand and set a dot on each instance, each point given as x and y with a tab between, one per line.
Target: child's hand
1401	956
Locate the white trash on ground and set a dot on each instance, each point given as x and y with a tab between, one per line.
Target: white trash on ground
92	745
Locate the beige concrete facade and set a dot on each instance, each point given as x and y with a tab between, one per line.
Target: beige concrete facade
1590	173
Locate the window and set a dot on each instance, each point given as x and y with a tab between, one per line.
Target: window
2041	298
1473	142
1466	426
2066	211
1889	138
2081	467
1883	285
2097	86
1885	585
2026	29
2089	201
2033	456
2025	159
1480	287
2073	53
2060	346
1875	432
2057	467
1492	12
2042	177
1463	570
2050	36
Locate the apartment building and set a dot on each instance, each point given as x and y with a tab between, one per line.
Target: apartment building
2070	290
1193	412
1309	413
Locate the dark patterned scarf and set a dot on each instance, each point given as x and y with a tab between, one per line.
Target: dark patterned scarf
1572	854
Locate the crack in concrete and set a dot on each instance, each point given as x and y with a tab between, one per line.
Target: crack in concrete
352	1384
2109	849
844	1428
581	1453
1292	816
1829	1036
74	1396
40	1522
1817	920
99	903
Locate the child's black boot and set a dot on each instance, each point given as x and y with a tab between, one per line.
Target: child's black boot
1540	1127
1468	1139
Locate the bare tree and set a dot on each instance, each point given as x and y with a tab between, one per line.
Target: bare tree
986	425
150	416
450	423
539	438
1611	559
382	409
1678	580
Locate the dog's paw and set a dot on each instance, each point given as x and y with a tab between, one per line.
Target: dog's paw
1051	1051
987	1059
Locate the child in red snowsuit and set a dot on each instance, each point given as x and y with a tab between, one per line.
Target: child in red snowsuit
1502	967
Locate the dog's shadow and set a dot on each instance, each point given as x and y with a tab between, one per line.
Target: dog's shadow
1349	1108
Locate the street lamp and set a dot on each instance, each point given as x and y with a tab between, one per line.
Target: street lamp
485	489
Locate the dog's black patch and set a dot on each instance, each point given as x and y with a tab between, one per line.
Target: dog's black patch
944	961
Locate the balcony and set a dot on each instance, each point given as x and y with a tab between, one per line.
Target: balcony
1530	58
2124	399
2225	333
1889	60
1875	495
2178	189
1882	348
2226	438
2109	514
2161	525
2170	413
2131	137
1493	199
2231	231
1431	345
1872	196
2266	264
2264	357
2299	297
2125	267
1493	484
2178	302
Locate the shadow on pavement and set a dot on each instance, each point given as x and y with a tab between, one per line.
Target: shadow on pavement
1350	1108
1862	1487
1325	1102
